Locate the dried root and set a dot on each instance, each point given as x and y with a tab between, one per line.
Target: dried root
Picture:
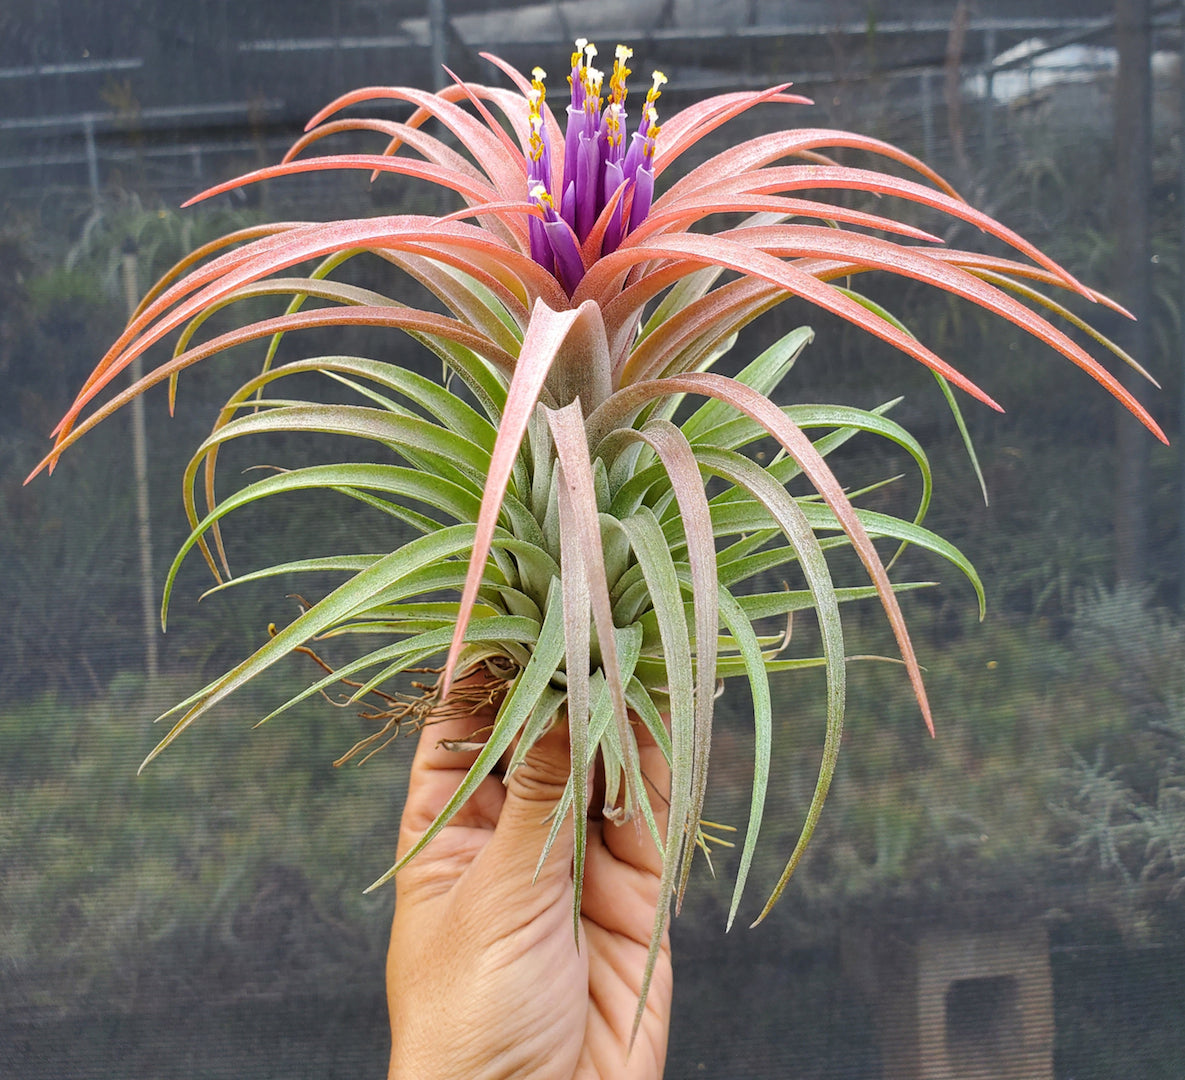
412	712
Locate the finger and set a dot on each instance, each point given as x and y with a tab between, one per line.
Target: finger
465	717
630	841
533	793
621	884
438	770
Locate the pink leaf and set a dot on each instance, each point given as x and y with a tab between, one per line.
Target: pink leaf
700	250
571	447
547	333
758	152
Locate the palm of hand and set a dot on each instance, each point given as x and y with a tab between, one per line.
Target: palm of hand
484	977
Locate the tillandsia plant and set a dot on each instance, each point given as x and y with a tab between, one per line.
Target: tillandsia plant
584	496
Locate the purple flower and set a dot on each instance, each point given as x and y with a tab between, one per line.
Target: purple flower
600	174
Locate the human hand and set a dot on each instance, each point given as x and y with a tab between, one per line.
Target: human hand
484	978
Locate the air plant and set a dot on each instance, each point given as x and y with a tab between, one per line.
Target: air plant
563	492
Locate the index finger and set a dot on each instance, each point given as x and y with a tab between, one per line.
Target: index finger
439	768
630	842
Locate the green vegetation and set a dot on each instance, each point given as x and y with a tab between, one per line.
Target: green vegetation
235	868
235	865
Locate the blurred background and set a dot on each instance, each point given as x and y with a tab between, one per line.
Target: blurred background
1007	900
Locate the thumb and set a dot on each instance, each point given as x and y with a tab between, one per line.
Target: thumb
533	793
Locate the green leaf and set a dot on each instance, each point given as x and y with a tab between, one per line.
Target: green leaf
646	538
763	374
339	604
943	384
791	518
741	629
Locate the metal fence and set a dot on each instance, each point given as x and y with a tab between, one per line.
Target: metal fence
73	127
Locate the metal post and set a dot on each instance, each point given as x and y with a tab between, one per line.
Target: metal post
928	116
131	292
989	100
437	31
1181	271
562	19
92	157
1133	254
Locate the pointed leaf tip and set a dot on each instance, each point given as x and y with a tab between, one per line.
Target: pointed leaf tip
547	335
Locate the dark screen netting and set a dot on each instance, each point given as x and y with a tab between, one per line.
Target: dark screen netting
1007	900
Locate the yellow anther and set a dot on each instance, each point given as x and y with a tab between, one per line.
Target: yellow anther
653	93
617	89
651	135
593	79
613	125
537	92
540	195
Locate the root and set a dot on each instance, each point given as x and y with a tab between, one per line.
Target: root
411	712
414	712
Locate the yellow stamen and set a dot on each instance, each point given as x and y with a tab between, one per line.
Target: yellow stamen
538	91
653	94
535	140
651	134
593	80
535	116
613	124
617	89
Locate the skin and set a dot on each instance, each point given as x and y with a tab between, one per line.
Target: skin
484	977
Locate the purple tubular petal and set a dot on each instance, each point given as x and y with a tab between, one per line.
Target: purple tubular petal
568	204
610	182
569	267
615	229
587	185
577	85
643	196
572	139
633	157
545	163
540	246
